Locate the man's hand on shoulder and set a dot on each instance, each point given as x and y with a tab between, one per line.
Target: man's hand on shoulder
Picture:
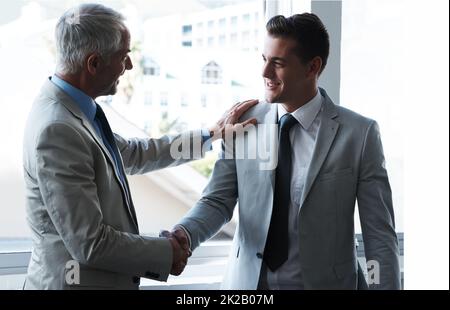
228	123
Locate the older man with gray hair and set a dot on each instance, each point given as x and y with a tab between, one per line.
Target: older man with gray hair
79	207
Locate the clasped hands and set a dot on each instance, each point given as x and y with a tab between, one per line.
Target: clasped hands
181	250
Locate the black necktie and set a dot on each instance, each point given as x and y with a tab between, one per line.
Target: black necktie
114	151
276	250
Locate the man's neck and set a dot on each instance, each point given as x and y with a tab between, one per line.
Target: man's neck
80	82
300	101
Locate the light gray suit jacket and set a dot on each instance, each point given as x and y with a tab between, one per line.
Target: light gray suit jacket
75	201
347	164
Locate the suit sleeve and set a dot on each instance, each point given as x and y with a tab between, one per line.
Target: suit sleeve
66	177
376	212
216	205
144	155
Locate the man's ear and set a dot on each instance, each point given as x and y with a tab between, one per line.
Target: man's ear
315	66
92	63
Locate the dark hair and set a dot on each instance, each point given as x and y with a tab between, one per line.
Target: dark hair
307	30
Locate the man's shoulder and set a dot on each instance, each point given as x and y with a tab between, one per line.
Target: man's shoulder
48	111
50	106
48	114
345	115
258	111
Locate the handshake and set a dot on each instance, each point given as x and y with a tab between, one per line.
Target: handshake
181	250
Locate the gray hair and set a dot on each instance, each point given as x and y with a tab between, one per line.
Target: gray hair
86	29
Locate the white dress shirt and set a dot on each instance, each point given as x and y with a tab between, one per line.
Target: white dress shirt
303	139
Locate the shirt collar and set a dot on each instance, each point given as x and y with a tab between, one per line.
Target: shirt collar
306	114
86	104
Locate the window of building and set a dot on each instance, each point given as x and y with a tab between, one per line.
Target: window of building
211	42
150	67
222	40
148	98
187	29
164	99
212	73
233	39
204	101
222	23
211	27
246	40
184	100
246	19
186	43
233	21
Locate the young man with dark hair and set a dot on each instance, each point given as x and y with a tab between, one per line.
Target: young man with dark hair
296	222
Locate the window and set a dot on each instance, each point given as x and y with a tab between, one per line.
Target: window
246	19
212	73
372	79
222	40
233	21
246	40
187	29
204	101
184	100
198	30
233	39
144	103
186	43
164	99
222	23
211	42
148	98
150	67
211	26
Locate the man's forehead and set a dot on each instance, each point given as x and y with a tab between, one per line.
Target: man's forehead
279	46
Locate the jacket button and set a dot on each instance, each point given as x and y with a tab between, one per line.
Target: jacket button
136	280
259	255
152	275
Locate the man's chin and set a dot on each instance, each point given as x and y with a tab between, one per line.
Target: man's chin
111	91
270	98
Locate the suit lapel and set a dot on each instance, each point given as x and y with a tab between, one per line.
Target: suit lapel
71	106
106	152
325	137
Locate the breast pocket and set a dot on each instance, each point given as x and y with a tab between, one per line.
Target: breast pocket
335	174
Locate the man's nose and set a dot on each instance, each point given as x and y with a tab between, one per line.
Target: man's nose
129	64
267	71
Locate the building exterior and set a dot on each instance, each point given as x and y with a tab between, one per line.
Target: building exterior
193	67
